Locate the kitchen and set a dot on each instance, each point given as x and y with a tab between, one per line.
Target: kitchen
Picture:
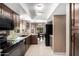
20	32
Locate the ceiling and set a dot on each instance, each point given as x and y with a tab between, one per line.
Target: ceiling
37	11
60	10
38	14
16	7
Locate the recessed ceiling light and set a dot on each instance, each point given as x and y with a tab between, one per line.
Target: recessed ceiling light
39	12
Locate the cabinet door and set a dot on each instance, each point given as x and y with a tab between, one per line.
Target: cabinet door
27	45
28	41
5	11
17	51
33	39
22	47
0	8
14	52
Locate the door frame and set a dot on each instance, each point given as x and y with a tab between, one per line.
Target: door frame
72	37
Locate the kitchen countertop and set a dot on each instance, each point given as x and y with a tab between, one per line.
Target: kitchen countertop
18	39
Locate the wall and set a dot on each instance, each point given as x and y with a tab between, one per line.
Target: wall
67	29
59	33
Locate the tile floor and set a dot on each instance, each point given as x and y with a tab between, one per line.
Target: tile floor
41	50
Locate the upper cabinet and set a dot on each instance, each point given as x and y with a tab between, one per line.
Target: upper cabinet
0	8
21	26
4	10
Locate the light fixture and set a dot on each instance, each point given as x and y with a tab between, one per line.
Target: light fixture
39	21
38	13
39	6
25	17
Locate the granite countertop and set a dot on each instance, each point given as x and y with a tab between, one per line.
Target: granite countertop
14	41
18	39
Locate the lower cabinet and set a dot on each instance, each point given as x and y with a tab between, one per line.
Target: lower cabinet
14	52
33	39
22	47
27	43
19	50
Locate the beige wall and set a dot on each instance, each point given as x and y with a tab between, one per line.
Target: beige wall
59	33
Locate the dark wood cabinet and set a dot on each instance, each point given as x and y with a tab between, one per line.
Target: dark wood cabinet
27	43
22	47
33	39
15	51
0	8
6	11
